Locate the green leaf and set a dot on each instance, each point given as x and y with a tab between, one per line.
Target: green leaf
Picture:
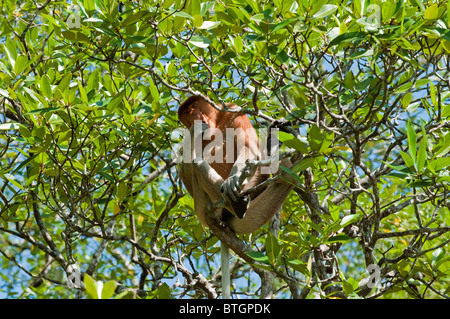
446	111
104	31
122	191
291	141
108	290
338	238
326	10
387	10
4	93
319	141
347	287
445	148
418	3
261	18
432	12
409	162
115	101
284	24
361	54
350	37
283	5
96	20
334	210
208	25
164	291
405	87
132	18
406	100
200	41
299	266
327	141
195	7
422	154
91	287
153	90
62	86
304	164
349	80
421	183
45	87
349	219
83	94
182	14
11	51
309	266
198	21
259	256
433	93
398	167
440	163
81	37
422	82
44	110
126	294
315	137
70	35
21	63
272	248
13	181
448	13
412	141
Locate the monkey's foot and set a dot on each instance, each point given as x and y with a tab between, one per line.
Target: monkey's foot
281	124
240	207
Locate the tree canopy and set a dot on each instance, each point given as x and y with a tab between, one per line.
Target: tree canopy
91	204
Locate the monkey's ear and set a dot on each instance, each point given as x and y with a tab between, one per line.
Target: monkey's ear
189	101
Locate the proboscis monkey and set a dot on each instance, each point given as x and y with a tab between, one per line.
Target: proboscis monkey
210	181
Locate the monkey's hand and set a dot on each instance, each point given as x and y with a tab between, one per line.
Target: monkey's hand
231	190
199	128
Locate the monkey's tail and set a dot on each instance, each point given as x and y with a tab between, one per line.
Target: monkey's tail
225	264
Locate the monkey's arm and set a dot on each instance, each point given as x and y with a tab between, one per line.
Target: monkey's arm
206	193
247	150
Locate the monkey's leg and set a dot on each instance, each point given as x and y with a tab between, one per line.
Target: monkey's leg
262	208
203	183
211	183
266	204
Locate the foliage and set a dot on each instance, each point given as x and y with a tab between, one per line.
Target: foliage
88	101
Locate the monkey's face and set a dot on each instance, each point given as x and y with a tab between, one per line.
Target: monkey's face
194	112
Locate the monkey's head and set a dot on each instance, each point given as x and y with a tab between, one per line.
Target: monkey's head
195	108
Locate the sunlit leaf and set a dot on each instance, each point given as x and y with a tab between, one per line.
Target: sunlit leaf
412	141
200	41
326	10
91	287
431	12
108	290
349	219
208	25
